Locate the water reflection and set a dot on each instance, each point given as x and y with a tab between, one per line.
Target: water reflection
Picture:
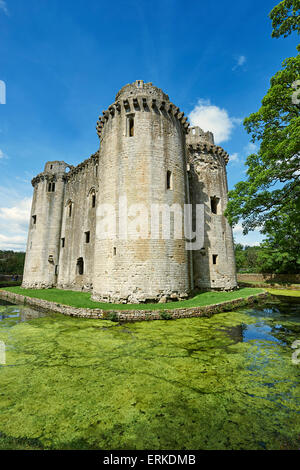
277	322
11	314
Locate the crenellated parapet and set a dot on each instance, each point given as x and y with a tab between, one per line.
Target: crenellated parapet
75	170
206	148
49	177
200	143
142	97
54	171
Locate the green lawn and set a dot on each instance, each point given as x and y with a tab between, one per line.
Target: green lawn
83	299
285	292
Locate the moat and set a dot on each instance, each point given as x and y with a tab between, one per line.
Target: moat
225	382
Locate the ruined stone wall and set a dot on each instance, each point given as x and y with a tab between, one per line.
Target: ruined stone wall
77	238
146	157
136	166
42	254
214	265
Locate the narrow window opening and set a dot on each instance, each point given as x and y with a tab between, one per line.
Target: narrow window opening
51	187
115	251
87	237
80	266
169	180
215	258
70	209
94	200
51	166
56	270
96	170
131	127
214	203
34	219
63	242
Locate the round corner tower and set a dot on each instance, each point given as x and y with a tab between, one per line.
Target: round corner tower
42	253
142	168
214	265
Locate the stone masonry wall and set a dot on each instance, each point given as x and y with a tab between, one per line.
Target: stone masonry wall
214	265
132	315
148	156
141	268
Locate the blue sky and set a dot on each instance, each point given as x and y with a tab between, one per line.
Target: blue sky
64	61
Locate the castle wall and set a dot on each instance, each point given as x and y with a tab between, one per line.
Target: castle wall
77	238
42	254
147	157
136	167
214	265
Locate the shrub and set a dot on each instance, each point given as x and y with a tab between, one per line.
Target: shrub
165	316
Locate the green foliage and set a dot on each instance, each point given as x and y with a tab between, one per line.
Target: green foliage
72	383
11	262
112	317
285	18
83	299
246	258
165	316
9	283
269	200
273	173
275	255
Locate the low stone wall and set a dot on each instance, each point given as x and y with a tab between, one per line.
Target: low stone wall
131	315
270	278
8	277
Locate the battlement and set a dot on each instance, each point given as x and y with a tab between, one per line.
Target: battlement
196	134
139	88
206	147
140	96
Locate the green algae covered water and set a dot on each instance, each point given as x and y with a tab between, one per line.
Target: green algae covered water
225	382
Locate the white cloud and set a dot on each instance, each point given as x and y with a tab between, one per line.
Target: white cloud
234	157
250	148
3	6
14	225
238	228
240	61
2	155
214	119
253	238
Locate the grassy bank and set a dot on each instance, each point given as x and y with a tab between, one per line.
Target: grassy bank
284	292
83	299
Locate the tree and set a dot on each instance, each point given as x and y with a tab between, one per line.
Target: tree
285	18
273	173
269	199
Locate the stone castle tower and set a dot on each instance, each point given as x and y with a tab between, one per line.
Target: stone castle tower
93	227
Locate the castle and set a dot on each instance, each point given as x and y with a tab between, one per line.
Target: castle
149	157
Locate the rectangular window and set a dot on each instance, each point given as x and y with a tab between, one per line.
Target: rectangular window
130	126
87	237
94	200
51	187
115	251
214	204
34	220
169	180
63	242
215	258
